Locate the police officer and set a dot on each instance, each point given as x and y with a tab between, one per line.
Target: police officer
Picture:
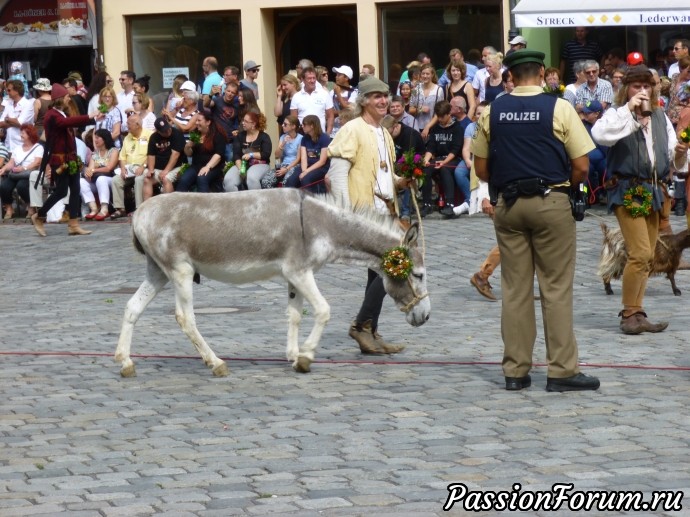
530	148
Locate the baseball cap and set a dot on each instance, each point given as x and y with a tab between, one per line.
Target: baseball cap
250	64
592	107
517	40
635	58
344	69
188	85
162	124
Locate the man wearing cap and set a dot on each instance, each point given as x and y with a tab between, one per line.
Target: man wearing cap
362	175
642	152
133	163
516	43
251	72
18	110
531	147
311	100
164	157
344	94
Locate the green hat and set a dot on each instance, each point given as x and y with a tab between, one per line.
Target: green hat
523	55
372	85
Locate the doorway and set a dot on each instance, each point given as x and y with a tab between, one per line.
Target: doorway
326	35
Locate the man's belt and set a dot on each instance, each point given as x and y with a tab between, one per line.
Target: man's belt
528	188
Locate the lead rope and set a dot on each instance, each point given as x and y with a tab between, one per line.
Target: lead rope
417	298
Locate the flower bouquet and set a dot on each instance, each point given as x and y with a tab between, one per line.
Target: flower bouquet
103	108
558	90
72	167
409	165
195	137
183	168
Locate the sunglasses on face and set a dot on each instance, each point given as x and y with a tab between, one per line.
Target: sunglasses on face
253	70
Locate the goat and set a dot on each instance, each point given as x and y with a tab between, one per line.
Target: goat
667	253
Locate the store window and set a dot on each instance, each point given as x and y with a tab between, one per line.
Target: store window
161	44
434	29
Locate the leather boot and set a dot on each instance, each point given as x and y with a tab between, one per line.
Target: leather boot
638	323
362	333
388	348
38	224
73	228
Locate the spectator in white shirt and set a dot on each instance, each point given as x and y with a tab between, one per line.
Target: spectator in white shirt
311	100
18	110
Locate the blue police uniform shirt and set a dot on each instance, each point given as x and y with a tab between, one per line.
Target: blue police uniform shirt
522	143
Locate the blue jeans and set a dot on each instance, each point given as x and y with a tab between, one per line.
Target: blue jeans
404	198
462	179
228	152
191	177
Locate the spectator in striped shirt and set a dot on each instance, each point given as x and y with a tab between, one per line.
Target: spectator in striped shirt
594	88
576	49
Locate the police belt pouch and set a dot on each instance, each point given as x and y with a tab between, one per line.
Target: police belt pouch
523	188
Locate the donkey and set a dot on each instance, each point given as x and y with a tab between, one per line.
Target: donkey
255	235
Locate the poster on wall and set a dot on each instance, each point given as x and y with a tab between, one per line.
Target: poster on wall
47	23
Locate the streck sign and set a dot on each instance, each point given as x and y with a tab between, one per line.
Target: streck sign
602	19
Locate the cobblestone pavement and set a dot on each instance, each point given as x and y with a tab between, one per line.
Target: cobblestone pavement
357	436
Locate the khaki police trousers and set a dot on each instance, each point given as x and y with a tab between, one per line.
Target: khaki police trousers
537	234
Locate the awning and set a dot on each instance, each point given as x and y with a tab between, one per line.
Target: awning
601	13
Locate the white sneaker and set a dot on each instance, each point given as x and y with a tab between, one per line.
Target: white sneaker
462	209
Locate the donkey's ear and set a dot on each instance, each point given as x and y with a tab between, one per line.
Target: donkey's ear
410	239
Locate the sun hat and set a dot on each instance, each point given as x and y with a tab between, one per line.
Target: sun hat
43	85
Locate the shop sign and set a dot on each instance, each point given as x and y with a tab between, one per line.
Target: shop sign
170	73
47	23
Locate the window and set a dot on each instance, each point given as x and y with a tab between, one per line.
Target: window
408	30
183	40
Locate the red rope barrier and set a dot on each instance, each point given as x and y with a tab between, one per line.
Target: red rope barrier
341	361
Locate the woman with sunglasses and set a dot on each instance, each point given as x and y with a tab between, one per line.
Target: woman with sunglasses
113	116
322	78
287	153
207	155
141	104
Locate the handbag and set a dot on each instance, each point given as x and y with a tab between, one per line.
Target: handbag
23	175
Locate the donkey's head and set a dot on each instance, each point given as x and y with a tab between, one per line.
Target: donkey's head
410	294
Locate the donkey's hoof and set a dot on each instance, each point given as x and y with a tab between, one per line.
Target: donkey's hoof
302	365
221	370
128	371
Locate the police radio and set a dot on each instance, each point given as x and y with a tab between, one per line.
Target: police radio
577	201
